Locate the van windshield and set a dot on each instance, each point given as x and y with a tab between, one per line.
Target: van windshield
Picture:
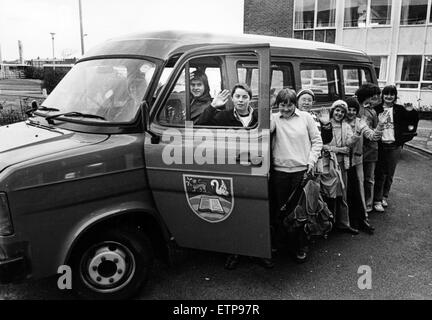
111	89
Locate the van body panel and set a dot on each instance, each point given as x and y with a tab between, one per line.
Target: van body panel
61	194
23	141
166	43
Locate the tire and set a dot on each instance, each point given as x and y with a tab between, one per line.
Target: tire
113	264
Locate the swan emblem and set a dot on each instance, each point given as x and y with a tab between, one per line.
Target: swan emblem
220	190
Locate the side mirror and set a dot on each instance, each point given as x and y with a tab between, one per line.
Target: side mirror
34	105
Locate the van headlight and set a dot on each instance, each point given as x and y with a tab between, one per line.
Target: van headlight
6	228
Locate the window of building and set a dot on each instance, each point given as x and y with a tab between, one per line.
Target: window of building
323	80
355	13
380	66
408	70
413	12
326	35
354	77
380	12
414	71
427	74
304	14
315	20
362	13
326	16
430	15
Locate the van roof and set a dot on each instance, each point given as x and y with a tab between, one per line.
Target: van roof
163	44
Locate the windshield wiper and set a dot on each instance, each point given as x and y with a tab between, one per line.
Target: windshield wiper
43	108
72	114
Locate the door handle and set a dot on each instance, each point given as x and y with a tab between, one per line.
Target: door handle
245	159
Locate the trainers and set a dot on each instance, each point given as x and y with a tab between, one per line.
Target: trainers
384	202
378	207
369	209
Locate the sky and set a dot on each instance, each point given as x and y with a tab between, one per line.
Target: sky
32	21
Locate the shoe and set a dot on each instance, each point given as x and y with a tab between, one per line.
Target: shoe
368	223
266	263
369	209
232	262
349	230
378	207
384	202
366	227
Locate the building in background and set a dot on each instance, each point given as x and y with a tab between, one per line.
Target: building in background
397	34
40	63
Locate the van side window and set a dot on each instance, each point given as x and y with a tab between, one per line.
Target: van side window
204	82
322	79
247	72
354	77
282	76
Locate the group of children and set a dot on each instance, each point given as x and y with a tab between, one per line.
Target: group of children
353	148
362	139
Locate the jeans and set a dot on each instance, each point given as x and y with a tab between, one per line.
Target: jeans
369	182
283	184
388	157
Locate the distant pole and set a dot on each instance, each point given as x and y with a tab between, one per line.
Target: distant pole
52	37
81	28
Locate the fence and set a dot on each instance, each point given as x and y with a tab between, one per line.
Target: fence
15	109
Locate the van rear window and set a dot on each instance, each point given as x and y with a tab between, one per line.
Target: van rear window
322	79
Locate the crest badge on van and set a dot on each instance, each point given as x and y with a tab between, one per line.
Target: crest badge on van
210	198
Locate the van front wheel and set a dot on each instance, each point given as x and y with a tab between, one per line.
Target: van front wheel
111	265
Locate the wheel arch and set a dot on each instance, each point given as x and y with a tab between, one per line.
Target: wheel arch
144	220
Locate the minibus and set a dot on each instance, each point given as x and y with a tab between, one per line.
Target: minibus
110	173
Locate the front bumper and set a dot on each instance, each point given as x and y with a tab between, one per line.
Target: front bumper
13	270
14	261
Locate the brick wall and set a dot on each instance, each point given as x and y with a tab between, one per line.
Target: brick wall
269	17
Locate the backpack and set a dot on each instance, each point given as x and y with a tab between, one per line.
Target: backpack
310	213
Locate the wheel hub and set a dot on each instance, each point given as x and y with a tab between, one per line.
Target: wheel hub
108	266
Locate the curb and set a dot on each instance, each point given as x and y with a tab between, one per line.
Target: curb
420	149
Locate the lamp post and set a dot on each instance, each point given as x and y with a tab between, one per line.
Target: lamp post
81	28
52	37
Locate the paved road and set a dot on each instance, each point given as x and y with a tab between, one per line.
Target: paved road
399	254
